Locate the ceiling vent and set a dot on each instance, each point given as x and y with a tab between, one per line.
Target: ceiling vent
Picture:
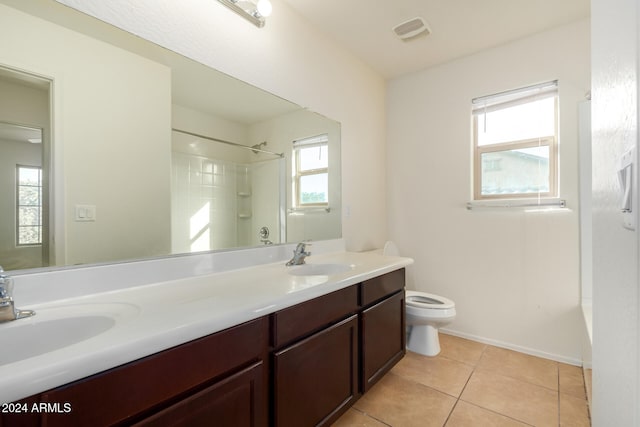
412	28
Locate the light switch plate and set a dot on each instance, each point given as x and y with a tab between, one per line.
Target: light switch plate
85	213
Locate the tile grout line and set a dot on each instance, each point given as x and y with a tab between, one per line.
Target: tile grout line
465	386
459	398
371	416
558	372
586	392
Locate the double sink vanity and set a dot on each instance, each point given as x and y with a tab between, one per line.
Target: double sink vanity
230	335
260	345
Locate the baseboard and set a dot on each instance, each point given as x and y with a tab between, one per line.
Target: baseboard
509	346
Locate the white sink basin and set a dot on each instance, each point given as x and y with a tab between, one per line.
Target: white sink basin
318	269
55	328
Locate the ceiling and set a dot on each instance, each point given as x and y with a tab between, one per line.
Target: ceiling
459	27
17	133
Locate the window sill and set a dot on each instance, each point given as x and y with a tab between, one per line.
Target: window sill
309	210
527	205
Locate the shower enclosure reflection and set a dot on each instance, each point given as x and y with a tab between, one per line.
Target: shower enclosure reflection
213	192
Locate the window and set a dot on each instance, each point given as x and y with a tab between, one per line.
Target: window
515	143
311	171
29	205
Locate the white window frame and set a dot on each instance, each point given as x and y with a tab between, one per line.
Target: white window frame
502	100
39	206
299	144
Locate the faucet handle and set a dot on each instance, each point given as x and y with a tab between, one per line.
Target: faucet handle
301	248
6	284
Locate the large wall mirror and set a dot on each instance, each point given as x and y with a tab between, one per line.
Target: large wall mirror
113	148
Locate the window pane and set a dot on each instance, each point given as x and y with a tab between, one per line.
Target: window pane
314	157
29	235
28	176
29	196
519	171
517	123
29	216
314	188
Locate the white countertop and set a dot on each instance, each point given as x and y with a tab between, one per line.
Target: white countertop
154	317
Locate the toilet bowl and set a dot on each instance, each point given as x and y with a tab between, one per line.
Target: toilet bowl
425	314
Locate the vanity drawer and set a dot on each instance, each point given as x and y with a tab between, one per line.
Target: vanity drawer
233	401
375	289
302	319
124	394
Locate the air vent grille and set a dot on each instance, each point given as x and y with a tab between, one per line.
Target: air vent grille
412	28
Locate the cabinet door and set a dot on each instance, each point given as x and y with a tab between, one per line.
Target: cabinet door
233	402
131	392
383	338
316	379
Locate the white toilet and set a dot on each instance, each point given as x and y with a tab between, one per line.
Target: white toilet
425	314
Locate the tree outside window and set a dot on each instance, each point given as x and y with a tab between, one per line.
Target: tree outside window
29	205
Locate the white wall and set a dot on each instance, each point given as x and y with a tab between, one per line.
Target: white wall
514	276
292	60
190	120
105	139
616	305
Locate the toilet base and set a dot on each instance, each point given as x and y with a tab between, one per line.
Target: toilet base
423	339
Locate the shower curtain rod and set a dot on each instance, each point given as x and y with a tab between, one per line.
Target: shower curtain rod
235	144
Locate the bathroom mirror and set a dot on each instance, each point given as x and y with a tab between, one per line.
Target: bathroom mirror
143	152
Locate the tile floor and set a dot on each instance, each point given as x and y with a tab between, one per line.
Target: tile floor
473	384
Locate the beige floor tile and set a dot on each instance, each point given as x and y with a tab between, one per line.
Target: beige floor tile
571	380
587	374
520	366
354	418
516	399
402	403
460	349
573	411
445	375
468	415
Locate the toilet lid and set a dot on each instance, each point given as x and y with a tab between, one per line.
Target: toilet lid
425	300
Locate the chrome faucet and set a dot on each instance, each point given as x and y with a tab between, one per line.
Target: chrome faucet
7	309
299	254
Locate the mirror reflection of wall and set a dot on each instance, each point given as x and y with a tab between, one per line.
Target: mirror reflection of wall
24	117
115	99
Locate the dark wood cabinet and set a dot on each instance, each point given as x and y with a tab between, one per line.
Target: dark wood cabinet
316	379
301	366
227	403
382	331
303	319
381	287
193	372
358	336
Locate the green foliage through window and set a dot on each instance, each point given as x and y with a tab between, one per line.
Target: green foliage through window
29	205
